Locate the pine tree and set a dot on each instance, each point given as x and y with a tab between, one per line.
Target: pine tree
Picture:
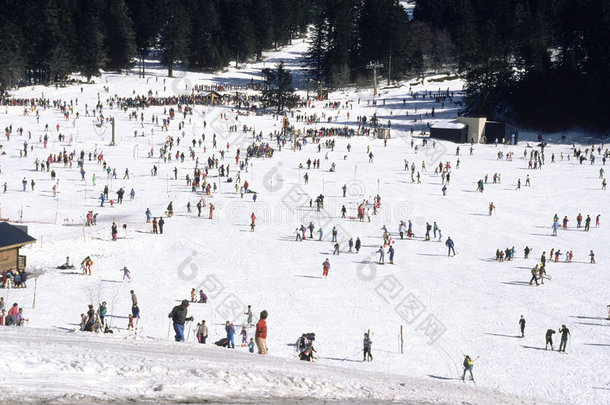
119	40
262	20
90	38
278	89
173	37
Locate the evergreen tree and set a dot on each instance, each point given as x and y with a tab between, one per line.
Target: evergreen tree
207	45
278	89
173	37
119	40
90	38
262	20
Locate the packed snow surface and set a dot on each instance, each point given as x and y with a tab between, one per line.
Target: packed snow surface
447	306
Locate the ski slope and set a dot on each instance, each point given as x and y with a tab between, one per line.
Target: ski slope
474	301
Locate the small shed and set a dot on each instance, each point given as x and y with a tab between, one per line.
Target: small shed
13	238
476	128
211	97
382	133
449	131
503	132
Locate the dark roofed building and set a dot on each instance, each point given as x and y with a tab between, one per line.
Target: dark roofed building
12	238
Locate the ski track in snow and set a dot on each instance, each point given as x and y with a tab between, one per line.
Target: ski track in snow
477	299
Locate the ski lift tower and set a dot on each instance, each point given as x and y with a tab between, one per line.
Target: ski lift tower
374	65
112	143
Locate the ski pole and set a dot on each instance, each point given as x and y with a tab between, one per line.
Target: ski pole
188	333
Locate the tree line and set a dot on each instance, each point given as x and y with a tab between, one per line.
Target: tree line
43	41
544	64
539	63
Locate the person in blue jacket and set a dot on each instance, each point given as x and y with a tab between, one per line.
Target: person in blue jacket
391	253
450	246
230	329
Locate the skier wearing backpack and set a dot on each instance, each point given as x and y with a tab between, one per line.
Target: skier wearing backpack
468	364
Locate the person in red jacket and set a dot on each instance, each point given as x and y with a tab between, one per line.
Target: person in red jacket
253	223
261	334
12	315
325	268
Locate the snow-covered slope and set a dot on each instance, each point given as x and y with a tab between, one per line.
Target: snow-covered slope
69	367
473	301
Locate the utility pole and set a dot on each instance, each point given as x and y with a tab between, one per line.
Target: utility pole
375	65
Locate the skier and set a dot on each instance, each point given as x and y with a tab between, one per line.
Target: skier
526	251
161	222
253	222
381	255
391	253
249	314
587	223
178	316
535	272
592	256
251	345
357	244
565	332
549	339
367	342
492	208
325	268
230	329
522	326
468	364
450	246
126	273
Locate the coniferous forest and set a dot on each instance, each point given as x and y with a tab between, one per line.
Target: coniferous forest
543	64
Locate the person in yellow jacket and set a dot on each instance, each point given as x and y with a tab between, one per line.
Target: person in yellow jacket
468	364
